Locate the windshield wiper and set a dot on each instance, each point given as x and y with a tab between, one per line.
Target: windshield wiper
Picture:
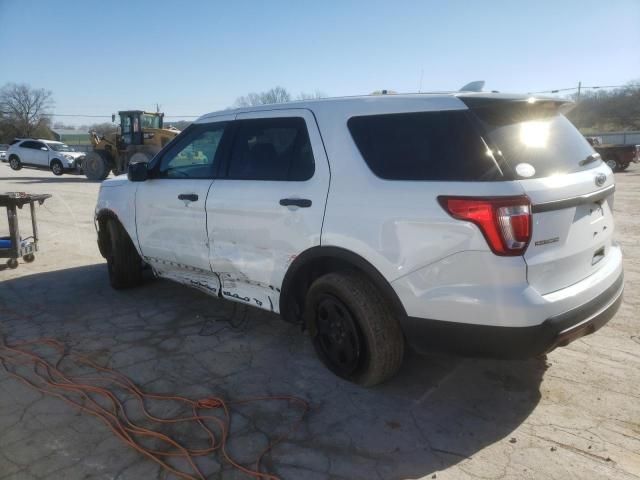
590	159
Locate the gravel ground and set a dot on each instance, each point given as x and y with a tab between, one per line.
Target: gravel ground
572	415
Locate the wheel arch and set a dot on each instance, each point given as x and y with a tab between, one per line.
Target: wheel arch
317	261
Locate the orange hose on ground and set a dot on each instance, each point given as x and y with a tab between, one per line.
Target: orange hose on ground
48	378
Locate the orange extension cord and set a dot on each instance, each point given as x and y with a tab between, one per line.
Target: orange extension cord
49	379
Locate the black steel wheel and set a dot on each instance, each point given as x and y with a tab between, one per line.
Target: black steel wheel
338	340
355	333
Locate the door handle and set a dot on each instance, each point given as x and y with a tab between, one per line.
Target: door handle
295	202
188	197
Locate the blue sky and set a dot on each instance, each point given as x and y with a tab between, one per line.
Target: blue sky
193	57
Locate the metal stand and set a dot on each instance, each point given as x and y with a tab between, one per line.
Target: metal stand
14	246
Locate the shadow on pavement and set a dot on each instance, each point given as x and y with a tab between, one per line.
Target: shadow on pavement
67	178
438	411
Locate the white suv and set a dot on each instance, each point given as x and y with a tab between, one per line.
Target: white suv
57	156
481	222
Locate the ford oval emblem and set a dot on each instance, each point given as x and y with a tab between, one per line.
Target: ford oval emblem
600	179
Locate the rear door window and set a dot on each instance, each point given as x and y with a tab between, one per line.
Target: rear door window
271	149
534	138
441	146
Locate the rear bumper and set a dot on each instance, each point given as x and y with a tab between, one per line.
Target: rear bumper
516	342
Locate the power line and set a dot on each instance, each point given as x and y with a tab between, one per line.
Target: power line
106	116
556	90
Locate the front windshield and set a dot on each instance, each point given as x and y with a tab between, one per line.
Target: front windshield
151	121
61	147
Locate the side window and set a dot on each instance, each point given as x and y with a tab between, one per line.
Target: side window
439	146
195	154
126	129
31	144
271	149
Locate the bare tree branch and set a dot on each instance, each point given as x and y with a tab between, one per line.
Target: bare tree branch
24	109
273	95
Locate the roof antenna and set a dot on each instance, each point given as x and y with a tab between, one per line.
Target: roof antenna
475	86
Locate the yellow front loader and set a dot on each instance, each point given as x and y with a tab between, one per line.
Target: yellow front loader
139	137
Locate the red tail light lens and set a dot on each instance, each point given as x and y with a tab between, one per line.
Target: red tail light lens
505	222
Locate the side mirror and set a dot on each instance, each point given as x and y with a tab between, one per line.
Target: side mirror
44	149
138	172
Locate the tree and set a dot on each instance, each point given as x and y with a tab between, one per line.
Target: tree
607	110
25	110
311	96
273	95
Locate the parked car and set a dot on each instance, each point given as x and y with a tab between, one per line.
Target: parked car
618	157
3	152
57	156
479	222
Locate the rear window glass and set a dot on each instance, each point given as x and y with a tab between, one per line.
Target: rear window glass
424	146
535	139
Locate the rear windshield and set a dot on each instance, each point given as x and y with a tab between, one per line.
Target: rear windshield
535	139
442	145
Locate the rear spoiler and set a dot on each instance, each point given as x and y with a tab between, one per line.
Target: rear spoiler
487	100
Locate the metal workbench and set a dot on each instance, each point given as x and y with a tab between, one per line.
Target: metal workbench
14	246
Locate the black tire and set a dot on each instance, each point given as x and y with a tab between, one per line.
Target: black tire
57	168
123	262
372	350
612	163
12	263
15	163
624	166
96	165
29	257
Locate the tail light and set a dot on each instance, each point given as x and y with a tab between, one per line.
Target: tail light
505	222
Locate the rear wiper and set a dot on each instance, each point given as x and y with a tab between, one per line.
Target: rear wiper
590	159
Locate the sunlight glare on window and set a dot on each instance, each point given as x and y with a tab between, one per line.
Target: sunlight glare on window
534	134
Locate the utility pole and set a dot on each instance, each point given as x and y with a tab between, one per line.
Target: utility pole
579	88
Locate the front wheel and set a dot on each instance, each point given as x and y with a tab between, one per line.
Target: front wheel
123	262
96	166
355	333
57	168
14	163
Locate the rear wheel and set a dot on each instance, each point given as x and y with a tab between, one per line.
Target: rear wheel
612	164
57	168
96	165
355	333
123	262
14	162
